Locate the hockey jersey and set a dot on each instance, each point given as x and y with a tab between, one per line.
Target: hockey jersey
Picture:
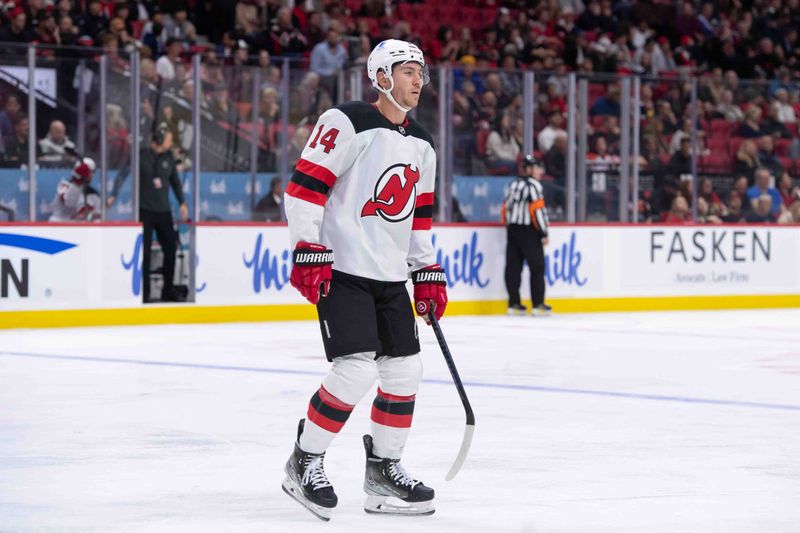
523	205
75	201
364	188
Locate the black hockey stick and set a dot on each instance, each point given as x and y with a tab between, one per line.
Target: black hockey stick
470	428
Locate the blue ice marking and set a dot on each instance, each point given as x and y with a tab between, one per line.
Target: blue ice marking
476	384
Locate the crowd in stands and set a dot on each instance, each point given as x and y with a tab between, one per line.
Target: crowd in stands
745	56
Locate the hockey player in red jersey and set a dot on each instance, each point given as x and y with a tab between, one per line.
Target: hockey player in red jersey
360	207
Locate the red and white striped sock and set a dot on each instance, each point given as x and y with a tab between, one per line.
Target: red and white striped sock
325	418
391	423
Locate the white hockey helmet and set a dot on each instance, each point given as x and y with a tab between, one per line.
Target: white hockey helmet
389	53
84	170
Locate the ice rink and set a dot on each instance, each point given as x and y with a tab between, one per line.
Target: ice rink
646	423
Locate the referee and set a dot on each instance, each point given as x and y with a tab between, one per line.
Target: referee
526	223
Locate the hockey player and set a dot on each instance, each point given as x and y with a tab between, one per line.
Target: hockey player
360	207
76	199
526	221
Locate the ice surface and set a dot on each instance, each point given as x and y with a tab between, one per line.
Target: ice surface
649	422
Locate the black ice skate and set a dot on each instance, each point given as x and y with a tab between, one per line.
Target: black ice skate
542	310
390	490
517	310
306	481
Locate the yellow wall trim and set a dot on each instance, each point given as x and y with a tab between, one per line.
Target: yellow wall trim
193	314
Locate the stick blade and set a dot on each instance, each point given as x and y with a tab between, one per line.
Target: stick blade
466	442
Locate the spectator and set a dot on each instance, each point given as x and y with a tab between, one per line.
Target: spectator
785	110
751	127
124	40
788	191
729	110
686	133
667	116
94	21
704	214
268	107
68	31
772	125
733	213
16	146
502	149
680	164
467	72
740	185
179	27
679	212
290	40
297	144
327	59
654	129
762	187
16	31
554	128
763	211
47	32
711	199
221	105
270	207
165	66
767	157
9	116
607	104
745	162
444	48
56	148
555	163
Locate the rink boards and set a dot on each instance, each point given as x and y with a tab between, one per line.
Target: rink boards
91	274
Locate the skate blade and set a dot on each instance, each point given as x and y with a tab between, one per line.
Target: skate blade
395	506
541	313
516	312
290	488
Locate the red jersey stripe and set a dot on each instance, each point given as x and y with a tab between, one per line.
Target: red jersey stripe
425	198
298	191
422	224
317	171
388	419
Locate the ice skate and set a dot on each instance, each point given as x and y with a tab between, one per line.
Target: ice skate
390	490
542	310
306	481
517	310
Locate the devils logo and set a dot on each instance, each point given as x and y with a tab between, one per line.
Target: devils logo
394	197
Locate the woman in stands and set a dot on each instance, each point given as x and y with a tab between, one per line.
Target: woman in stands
745	162
502	149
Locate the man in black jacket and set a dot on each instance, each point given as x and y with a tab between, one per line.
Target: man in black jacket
157	173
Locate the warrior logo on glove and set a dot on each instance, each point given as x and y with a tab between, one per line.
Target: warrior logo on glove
430	291
394	196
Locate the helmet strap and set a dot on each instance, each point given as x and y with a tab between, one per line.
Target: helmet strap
388	93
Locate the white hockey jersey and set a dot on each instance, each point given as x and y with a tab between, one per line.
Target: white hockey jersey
364	188
74	202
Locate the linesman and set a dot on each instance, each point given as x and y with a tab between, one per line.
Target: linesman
526	221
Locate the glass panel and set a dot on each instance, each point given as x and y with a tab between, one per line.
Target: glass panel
67	131
14	126
665	154
119	135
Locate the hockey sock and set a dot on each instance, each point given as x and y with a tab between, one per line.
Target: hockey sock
391	423
326	417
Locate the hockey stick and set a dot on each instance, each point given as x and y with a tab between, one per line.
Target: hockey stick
470	428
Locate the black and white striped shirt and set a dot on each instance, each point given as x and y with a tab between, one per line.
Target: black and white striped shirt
523	205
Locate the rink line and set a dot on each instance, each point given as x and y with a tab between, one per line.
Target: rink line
476	384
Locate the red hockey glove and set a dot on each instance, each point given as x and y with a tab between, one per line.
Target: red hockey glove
430	291
311	273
